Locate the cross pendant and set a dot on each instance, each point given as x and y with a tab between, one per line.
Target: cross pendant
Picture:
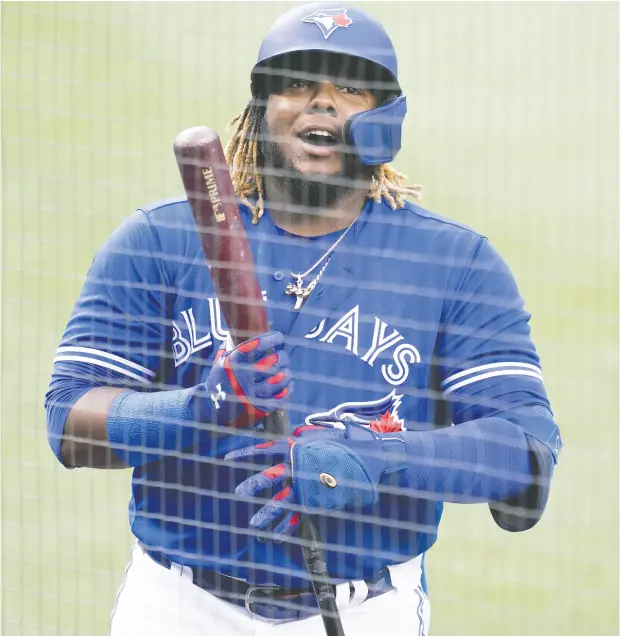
299	301
299	291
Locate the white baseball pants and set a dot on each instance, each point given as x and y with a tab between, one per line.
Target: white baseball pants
155	601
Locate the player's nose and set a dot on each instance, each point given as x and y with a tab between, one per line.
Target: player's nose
323	98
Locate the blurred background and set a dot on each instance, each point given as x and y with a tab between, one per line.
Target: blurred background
512	129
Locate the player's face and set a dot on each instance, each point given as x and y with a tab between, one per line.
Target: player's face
306	118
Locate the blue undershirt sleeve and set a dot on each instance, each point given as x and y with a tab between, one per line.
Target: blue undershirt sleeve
490	369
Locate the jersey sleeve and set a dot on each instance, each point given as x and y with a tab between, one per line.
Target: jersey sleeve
490	368
117	330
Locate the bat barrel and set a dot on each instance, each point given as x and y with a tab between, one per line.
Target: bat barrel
209	189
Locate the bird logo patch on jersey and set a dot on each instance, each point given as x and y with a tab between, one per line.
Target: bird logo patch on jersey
379	415
328	20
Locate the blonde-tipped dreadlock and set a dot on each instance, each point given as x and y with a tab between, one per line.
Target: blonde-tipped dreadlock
242	158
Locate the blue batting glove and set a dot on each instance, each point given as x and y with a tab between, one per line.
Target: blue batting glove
249	382
319	469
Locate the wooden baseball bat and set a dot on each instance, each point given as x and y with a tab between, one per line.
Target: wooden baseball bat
208	186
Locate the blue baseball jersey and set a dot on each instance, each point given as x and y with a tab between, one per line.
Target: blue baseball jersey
416	321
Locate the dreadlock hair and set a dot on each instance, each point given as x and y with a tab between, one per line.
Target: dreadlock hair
243	159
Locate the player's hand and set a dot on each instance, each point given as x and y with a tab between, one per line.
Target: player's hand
317	469
249	382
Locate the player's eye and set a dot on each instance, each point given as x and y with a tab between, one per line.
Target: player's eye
298	84
351	90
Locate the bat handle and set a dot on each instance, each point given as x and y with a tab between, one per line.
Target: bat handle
277	423
317	568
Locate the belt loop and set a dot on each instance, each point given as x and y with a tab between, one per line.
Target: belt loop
360	592
406	575
343	594
176	567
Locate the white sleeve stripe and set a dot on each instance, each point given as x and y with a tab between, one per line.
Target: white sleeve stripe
109	356
492	374
493	365
101	363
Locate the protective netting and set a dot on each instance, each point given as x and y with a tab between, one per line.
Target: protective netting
511	130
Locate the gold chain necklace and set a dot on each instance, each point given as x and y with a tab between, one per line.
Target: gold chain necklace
297	289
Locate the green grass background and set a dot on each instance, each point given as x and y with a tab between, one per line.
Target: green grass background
512	129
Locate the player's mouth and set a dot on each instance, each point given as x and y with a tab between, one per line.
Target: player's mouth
319	140
318	137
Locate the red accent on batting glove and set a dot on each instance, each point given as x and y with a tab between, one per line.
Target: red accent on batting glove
302	429
278	377
274	471
266	444
251	410
266	362
250	345
283	494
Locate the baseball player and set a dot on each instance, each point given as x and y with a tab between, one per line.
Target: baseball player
399	345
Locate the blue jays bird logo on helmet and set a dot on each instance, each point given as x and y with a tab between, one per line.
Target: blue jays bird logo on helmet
376	133
328	20
379	415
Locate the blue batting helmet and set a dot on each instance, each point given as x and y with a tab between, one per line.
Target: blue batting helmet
330	27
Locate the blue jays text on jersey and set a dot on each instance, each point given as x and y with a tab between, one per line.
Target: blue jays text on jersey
416	320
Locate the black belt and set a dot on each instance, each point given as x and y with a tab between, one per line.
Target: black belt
268	601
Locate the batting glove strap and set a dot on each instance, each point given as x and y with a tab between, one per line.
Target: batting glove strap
328	475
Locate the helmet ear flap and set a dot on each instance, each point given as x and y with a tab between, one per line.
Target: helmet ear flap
376	134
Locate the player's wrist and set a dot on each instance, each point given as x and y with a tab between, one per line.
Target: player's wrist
143	427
